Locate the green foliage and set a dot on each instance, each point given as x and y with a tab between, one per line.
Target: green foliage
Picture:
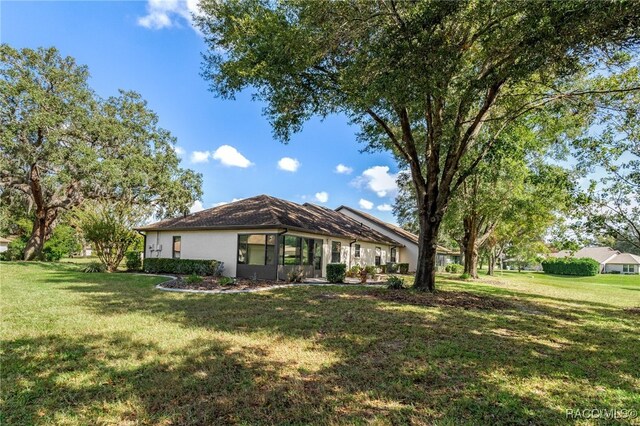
403	268
394	282
183	266
371	270
295	275
113	148
454	268
571	266
15	250
336	272
354	271
226	281
193	279
134	260
465	276
93	267
64	242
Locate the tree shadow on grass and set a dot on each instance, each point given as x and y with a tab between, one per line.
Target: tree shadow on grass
523	360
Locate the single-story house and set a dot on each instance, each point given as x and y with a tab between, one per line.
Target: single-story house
409	252
265	237
624	263
610	260
4	244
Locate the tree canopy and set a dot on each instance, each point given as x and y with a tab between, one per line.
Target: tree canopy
421	79
62	144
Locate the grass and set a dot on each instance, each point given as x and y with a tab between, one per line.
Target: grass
517	349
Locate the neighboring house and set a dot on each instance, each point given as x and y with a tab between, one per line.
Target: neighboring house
610	260
4	244
624	263
409	252
266	237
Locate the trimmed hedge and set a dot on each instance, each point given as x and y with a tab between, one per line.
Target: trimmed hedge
454	268
336	272
397	268
183	266
571	266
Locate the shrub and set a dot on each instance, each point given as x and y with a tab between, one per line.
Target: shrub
336	272
395	283
465	276
94	267
226	281
295	275
15	251
193	279
392	268
454	268
403	268
134	261
614	272
354	271
183	266
52	253
571	266
371	270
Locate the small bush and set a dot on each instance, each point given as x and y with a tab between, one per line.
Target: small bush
392	268
226	281
615	272
296	275
571	266
454	268
371	270
336	272
52	254
193	279
395	283
354	271
134	261
465	276
94	267
183	266
403	268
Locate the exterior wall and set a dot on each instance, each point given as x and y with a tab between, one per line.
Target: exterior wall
617	267
407	254
367	254
220	245
4	247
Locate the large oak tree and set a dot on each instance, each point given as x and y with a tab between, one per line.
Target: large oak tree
420	78
62	144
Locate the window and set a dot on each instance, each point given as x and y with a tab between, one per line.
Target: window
256	249
291	250
336	247
317	257
393	255
177	246
378	256
357	248
628	269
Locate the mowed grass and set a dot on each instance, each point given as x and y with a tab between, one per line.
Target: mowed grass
516	349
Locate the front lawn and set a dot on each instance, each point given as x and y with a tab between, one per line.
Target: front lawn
516	349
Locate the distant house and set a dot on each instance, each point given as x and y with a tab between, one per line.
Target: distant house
4	244
267	237
409	240
610	260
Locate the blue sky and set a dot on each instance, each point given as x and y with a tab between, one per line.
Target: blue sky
150	47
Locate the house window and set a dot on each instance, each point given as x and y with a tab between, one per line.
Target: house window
256	249
291	250
393	255
317	257
378	256
628	269
357	248
335	251
177	246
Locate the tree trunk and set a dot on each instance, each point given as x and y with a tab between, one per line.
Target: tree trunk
427	255
491	266
42	229
470	247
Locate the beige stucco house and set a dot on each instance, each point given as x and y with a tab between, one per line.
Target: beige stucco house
409	250
265	237
610	260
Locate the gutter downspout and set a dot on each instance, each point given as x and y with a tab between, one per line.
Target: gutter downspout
278	235
352	242
144	246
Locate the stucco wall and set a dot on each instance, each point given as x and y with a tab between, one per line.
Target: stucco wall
610	267
407	254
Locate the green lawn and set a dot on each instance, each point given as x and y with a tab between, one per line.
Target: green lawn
516	349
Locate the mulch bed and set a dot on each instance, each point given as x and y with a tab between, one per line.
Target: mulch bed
455	299
635	310
211	283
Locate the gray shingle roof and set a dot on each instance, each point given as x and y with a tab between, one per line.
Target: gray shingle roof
264	211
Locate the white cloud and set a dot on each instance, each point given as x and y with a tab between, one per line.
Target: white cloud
379	180
288	164
222	203
229	156
344	170
200	156
365	204
322	197
385	207
179	150
169	13
196	206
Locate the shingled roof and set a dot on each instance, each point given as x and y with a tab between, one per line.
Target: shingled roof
264	211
